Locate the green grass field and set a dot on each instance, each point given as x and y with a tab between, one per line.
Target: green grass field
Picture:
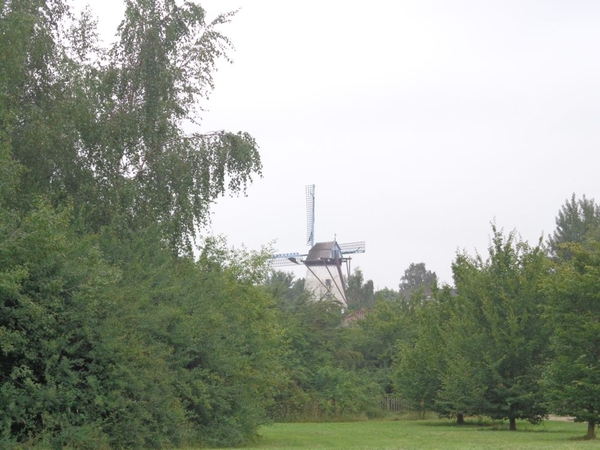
422	434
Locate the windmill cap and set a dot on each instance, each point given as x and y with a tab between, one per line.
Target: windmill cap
323	253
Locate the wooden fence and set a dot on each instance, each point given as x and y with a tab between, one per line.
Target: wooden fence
392	403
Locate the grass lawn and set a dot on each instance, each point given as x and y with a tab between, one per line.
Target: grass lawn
422	434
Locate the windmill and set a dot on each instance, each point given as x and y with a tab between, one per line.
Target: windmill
324	261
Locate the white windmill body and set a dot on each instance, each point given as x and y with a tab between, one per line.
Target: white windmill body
324	276
325	261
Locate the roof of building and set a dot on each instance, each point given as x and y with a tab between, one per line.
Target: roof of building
324	253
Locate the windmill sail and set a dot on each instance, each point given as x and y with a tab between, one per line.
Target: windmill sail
353	247
310	215
287	259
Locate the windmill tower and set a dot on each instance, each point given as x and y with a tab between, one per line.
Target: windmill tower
325	262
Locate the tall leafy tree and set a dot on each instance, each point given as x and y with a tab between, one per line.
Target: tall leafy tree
421	362
111	122
31	100
572	379
390	323
415	277
160	69
106	339
360	293
496	336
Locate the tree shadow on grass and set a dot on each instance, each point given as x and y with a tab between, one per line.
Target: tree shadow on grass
582	438
488	425
469	423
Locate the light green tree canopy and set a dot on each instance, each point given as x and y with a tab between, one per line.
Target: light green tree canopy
111	123
578	221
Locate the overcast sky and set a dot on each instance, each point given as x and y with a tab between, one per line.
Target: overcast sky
420	122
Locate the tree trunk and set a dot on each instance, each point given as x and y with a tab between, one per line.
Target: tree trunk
460	419
591	433
512	424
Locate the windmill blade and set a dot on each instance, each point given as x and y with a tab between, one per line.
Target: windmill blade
310	215
353	247
286	259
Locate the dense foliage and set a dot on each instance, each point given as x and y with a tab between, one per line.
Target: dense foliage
572	378
578	221
147	352
516	336
496	332
326	377
111	334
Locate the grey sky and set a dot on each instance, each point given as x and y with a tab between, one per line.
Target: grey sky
420	122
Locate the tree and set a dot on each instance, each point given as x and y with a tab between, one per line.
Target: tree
389	324
161	351
496	337
161	67
360	293
420	362
107	331
324	379
110	123
578	221
386	295
572	379
417	277
289	293
50	301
